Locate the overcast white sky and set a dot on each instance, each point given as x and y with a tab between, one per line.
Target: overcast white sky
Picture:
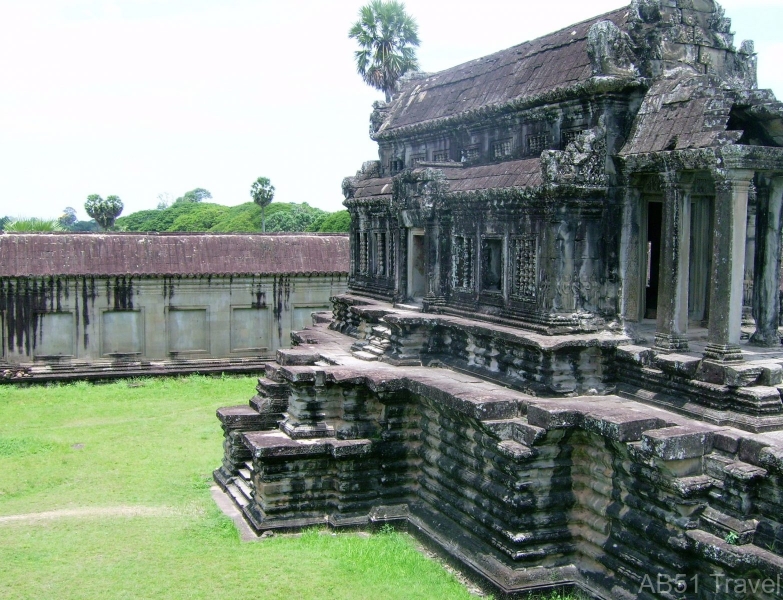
142	97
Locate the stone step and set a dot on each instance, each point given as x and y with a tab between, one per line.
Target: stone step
236	494
240	418
245	474
362	355
272	372
243	487
381	331
376	350
272	389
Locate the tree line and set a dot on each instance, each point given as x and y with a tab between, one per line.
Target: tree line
189	213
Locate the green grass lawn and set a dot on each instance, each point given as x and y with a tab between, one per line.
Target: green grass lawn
123	471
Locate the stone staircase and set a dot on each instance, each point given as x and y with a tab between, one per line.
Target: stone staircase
375	346
240	488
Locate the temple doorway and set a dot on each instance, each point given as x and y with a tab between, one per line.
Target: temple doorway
417	269
654	223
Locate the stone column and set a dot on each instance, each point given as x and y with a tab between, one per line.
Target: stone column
766	281
631	261
728	264
672	327
748	312
432	241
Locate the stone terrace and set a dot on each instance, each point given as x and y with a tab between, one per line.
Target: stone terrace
523	491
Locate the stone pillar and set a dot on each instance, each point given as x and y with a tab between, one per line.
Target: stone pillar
631	260
432	241
728	264
766	281
672	327
748	312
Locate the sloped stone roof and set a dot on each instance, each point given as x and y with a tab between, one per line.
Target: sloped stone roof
687	110
71	254
377	187
509	174
557	60
681	112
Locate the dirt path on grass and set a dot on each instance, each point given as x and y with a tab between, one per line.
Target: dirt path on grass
107	511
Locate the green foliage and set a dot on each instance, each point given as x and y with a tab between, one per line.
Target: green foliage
158	220
197	195
33	224
203	219
386	35
731	538
3	222
90	225
105	212
68	218
190	216
299	218
10	446
262	191
336	222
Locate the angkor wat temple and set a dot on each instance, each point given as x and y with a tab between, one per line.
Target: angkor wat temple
559	359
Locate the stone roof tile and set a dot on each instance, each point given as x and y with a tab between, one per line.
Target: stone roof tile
376	187
509	174
554	61
64	254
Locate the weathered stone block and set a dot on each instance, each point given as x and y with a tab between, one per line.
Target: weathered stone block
771	374
296	357
239	418
678	364
553	418
679	442
622	426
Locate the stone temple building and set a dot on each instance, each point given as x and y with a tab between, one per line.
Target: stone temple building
120	304
559	359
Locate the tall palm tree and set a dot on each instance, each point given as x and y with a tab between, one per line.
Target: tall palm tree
262	191
386	36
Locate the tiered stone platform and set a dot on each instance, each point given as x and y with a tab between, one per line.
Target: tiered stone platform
523	491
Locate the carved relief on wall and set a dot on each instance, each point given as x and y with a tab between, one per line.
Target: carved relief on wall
363	253
525	256
462	257
581	162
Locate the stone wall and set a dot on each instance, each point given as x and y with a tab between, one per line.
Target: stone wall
77	324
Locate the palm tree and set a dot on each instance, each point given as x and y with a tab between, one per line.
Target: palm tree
105	212
262	191
386	36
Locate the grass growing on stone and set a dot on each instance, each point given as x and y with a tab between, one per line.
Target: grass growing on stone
104	493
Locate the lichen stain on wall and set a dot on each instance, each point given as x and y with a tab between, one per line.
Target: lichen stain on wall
258	293
88	295
24	300
121	291
281	292
168	288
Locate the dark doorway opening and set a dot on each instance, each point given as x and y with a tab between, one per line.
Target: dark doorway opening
417	277
654	224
